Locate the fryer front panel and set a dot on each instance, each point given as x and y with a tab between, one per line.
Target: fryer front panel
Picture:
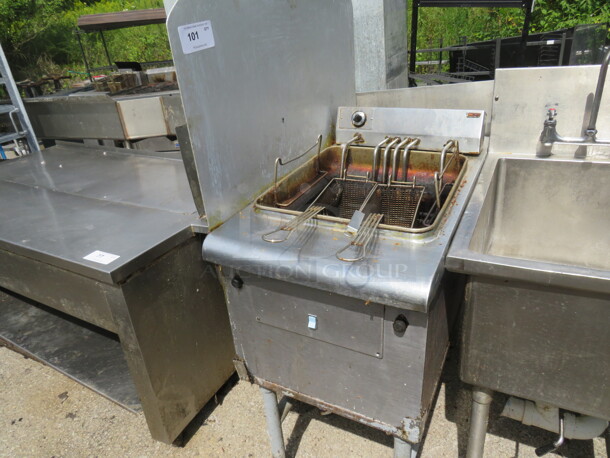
340	365
320	315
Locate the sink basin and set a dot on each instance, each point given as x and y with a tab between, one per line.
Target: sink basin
535	243
542	221
548	211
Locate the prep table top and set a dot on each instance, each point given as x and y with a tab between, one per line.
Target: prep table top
78	200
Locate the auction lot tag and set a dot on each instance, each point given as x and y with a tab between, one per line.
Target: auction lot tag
101	257
196	37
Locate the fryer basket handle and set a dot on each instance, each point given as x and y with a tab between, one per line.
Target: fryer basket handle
362	240
279	161
293	224
444	165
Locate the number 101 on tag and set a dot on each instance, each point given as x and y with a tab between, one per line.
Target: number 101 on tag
196	37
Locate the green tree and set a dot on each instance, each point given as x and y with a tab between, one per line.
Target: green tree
30	28
480	24
38	35
557	14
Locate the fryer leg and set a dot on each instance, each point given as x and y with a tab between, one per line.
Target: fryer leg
481	400
403	449
274	425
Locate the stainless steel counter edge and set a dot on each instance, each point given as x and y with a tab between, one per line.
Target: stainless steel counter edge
168	156
462	259
413	264
109	276
77	97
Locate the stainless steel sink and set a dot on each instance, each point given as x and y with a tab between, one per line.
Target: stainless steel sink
549	211
535	243
544	221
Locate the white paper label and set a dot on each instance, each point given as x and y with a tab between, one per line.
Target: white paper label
196	37
101	258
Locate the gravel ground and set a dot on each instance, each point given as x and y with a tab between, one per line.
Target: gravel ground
45	414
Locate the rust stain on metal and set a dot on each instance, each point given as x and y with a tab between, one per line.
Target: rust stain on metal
346	413
298	190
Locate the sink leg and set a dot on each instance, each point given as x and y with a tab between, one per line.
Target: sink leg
481	400
403	449
274	425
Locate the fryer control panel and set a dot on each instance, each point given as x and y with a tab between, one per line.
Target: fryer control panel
434	127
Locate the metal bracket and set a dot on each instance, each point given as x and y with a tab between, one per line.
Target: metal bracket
242	370
412	430
279	161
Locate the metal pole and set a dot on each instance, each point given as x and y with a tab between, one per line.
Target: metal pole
562	49
413	52
464	43
497	56
402	449
106	48
526	30
481	399
82	50
440	58
274	426
599	90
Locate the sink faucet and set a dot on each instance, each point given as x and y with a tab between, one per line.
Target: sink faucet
549	135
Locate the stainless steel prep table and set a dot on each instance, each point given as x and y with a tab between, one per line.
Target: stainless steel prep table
101	116
164	303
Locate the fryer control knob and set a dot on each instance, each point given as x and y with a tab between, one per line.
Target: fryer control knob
400	324
359	119
237	282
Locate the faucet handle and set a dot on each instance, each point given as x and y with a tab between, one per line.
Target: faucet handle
552	113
